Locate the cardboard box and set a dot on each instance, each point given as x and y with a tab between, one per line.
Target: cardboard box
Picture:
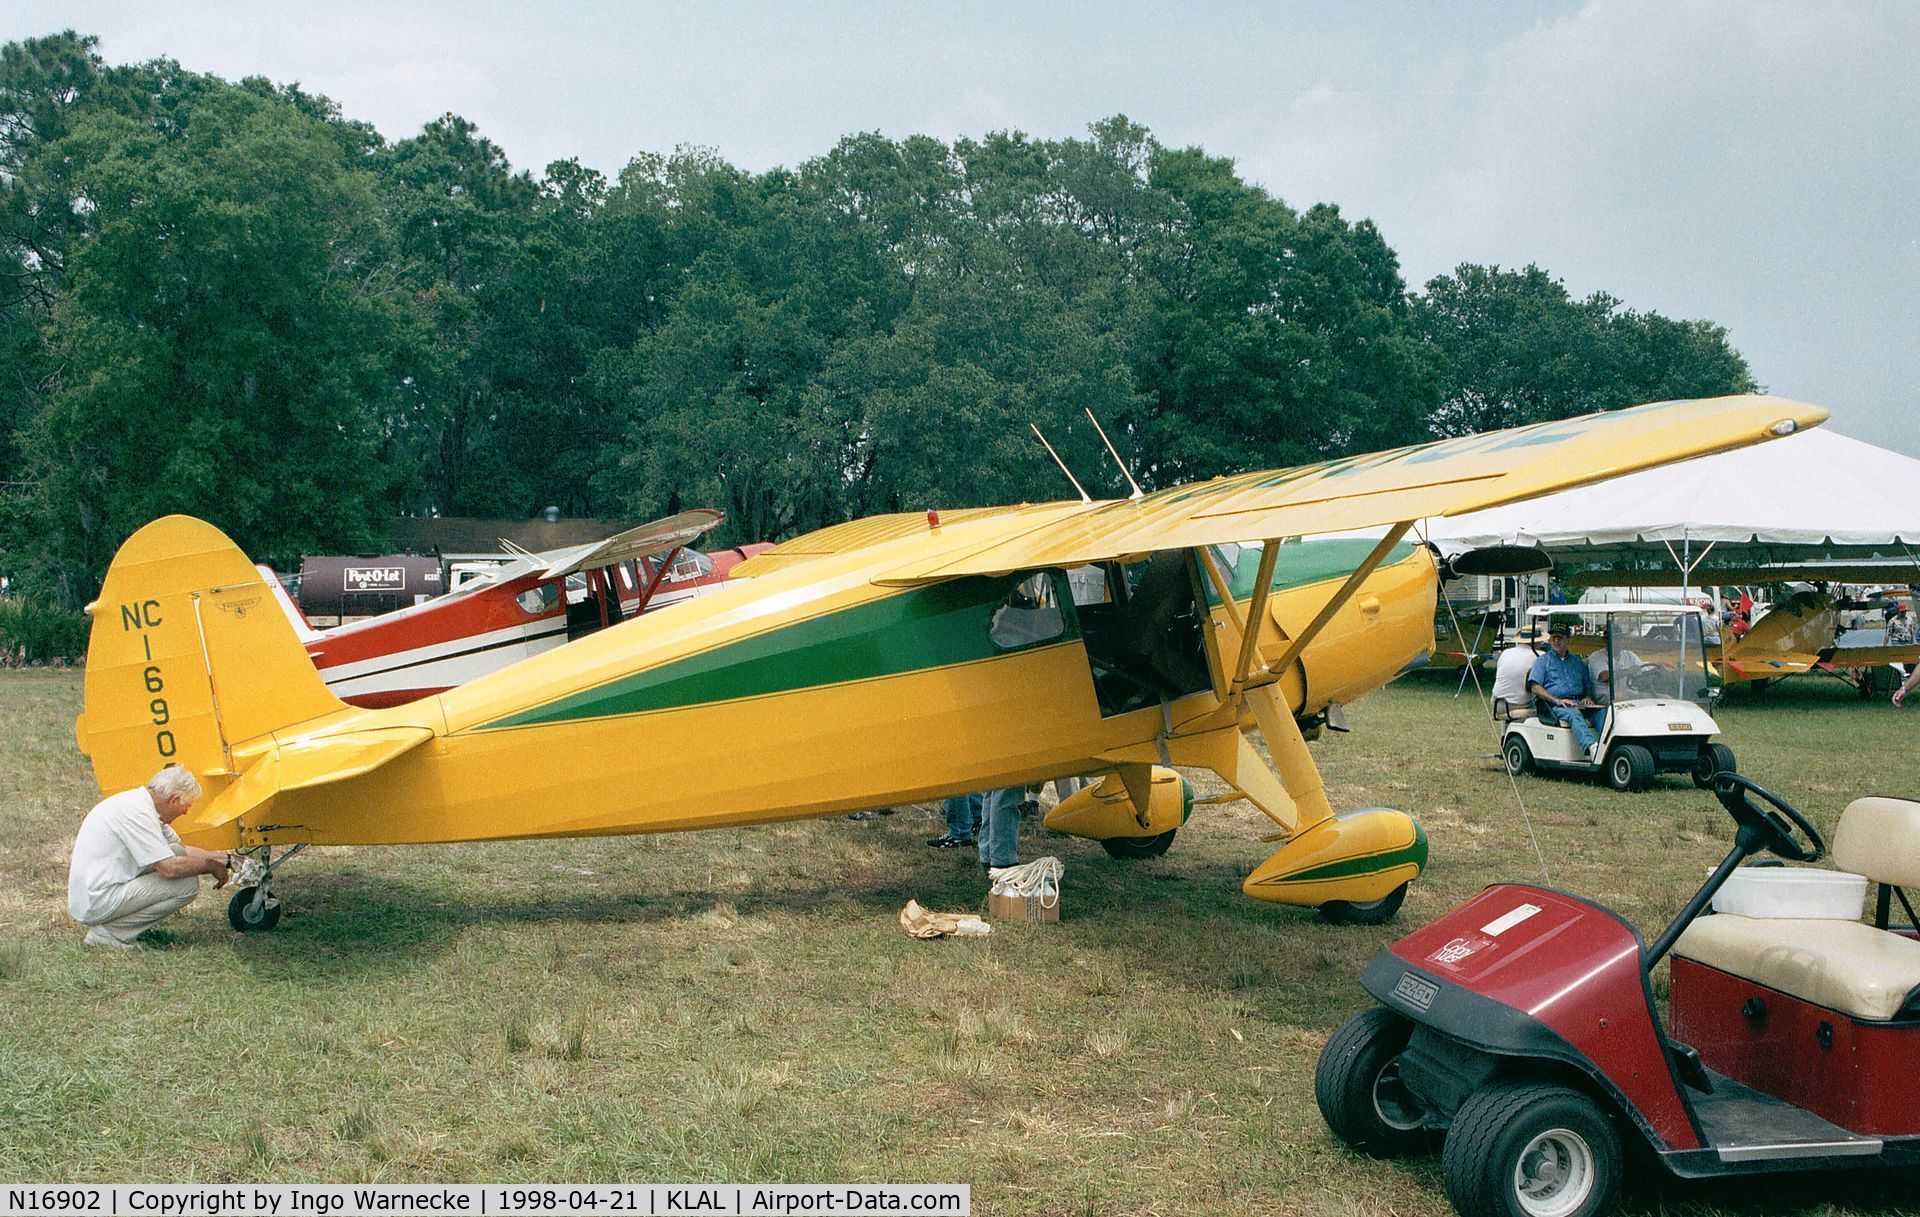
1022	908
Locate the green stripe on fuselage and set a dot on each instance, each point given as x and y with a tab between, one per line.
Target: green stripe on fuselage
928	627
1307	562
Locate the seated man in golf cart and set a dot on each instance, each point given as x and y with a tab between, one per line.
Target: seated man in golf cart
1511	674
1613	679
1564	685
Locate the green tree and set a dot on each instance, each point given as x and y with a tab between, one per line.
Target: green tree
1514	347
1284	337
456	216
227	343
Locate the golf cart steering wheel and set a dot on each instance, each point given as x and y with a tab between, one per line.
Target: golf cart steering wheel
1780	826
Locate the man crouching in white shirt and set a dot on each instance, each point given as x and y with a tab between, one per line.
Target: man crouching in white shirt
129	868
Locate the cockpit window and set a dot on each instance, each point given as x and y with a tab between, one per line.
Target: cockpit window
1030	616
537	600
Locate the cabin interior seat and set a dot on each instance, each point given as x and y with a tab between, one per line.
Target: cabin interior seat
1857	969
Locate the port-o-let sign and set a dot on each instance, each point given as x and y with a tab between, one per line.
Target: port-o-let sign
376	579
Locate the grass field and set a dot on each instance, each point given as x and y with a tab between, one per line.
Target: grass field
741	1005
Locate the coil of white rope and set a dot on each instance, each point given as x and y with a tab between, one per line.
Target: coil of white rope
1040	877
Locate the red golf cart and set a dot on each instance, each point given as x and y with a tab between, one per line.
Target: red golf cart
1519	1032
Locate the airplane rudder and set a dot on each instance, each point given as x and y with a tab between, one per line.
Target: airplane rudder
187	655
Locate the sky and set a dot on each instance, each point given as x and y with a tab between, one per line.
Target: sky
1754	163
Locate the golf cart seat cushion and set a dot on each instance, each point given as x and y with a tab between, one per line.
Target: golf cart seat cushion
1880	838
1507	712
1848	966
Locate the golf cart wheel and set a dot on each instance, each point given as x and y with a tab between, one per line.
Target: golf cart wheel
1129	849
1365	912
1630	767
1529	1150
1519	756
242	916
1357	1084
1714	758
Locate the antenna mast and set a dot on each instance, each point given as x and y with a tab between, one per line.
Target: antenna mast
1124	472
1084	497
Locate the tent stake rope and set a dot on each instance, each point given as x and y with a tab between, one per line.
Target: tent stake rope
1513	783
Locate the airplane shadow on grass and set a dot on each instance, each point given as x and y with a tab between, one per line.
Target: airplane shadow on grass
363	918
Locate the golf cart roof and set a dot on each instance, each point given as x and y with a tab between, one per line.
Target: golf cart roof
1612	610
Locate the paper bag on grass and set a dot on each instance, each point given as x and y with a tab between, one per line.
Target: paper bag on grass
923	923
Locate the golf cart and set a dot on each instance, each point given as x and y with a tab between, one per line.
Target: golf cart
1521	1029
1651	676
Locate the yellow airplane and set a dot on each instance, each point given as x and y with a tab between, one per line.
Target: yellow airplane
887	660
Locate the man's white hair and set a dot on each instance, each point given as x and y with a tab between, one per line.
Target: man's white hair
174	780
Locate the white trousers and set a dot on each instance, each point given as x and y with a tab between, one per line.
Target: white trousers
145	901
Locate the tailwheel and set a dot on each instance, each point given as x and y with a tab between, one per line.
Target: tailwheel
1531	1150
1134	848
1365	912
253	909
1357	1084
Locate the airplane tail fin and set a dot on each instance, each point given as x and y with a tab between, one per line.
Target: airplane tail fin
189	655
302	628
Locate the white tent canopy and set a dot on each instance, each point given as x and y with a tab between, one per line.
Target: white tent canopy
1816	495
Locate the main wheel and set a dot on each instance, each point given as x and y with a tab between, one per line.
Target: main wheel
1629	768
242	916
1134	848
1357	1084
1714	758
1365	912
1519	756
1529	1150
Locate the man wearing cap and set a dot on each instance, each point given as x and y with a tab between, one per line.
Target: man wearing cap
1564	683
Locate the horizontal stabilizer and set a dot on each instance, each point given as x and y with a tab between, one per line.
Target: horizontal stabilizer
301	763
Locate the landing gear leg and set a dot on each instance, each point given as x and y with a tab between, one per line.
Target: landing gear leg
254	908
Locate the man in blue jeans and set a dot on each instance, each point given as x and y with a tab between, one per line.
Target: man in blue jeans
990	819
1000	826
1564	682
963	820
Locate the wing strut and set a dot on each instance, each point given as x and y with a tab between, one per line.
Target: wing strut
1256	613
1248	691
1299	642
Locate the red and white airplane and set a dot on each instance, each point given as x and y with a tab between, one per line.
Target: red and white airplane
533	603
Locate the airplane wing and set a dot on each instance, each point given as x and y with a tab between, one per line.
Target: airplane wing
873	530
644	541
1873	657
1768	665
1443	478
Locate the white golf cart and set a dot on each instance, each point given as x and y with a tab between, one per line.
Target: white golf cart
1650	674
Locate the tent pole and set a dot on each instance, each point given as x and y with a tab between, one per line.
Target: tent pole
1686	583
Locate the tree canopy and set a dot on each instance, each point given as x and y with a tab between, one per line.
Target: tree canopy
228	299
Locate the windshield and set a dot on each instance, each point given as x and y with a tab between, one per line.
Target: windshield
1651	655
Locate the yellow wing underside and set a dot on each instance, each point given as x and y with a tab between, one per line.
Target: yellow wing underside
1443	478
